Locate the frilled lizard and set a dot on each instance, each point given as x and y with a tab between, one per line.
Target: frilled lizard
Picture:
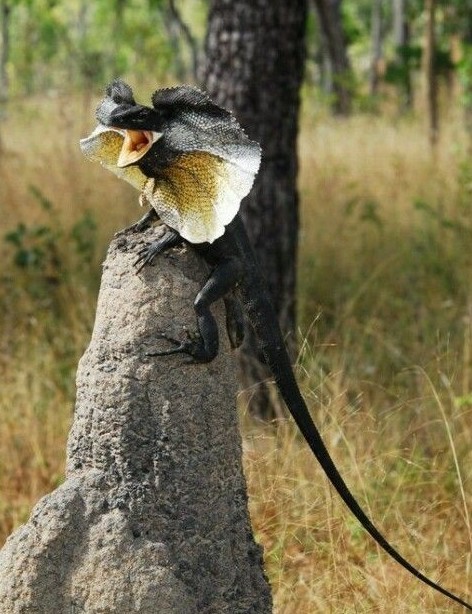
193	164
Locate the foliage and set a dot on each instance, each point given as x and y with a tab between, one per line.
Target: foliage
40	250
465	75
66	45
63	44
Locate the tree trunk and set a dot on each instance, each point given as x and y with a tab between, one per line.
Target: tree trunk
401	35
118	15
377	45
254	66
466	80
152	517
174	33
326	66
5	13
430	70
398	7
329	14
179	30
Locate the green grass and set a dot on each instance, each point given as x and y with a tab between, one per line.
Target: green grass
385	308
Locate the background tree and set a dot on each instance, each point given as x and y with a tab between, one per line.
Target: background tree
62	46
377	45
255	57
430	70
254	63
179	30
5	12
401	37
330	18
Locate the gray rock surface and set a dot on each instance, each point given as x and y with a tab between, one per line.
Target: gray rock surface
152	516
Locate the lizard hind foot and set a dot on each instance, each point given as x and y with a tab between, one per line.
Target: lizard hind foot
192	347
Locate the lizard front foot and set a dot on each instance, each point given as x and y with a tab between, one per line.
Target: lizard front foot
146	255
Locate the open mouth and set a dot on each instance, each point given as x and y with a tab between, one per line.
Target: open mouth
136	144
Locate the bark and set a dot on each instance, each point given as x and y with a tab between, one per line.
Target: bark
431	76
152	516
254	66
329	14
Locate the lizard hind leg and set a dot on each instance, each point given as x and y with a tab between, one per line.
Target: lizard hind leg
234	321
205	346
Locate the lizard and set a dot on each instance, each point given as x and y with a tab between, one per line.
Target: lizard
193	164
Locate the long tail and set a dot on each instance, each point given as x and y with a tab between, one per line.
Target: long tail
264	320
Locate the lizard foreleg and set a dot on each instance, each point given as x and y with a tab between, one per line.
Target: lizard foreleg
169	239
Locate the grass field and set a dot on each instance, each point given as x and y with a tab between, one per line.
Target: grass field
385	307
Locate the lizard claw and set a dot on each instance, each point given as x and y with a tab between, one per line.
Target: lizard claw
147	254
193	347
178	346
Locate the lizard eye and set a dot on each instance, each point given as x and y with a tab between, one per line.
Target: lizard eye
135	145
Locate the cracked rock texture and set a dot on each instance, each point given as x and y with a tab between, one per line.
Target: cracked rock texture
152	516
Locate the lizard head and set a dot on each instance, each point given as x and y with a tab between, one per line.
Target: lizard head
120	113
189	157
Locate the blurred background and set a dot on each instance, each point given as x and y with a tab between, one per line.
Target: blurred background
383	305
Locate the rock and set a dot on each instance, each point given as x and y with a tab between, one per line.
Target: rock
152	516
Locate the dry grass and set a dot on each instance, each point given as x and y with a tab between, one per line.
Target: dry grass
317	557
385	308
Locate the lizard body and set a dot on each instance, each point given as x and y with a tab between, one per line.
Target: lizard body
155	149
